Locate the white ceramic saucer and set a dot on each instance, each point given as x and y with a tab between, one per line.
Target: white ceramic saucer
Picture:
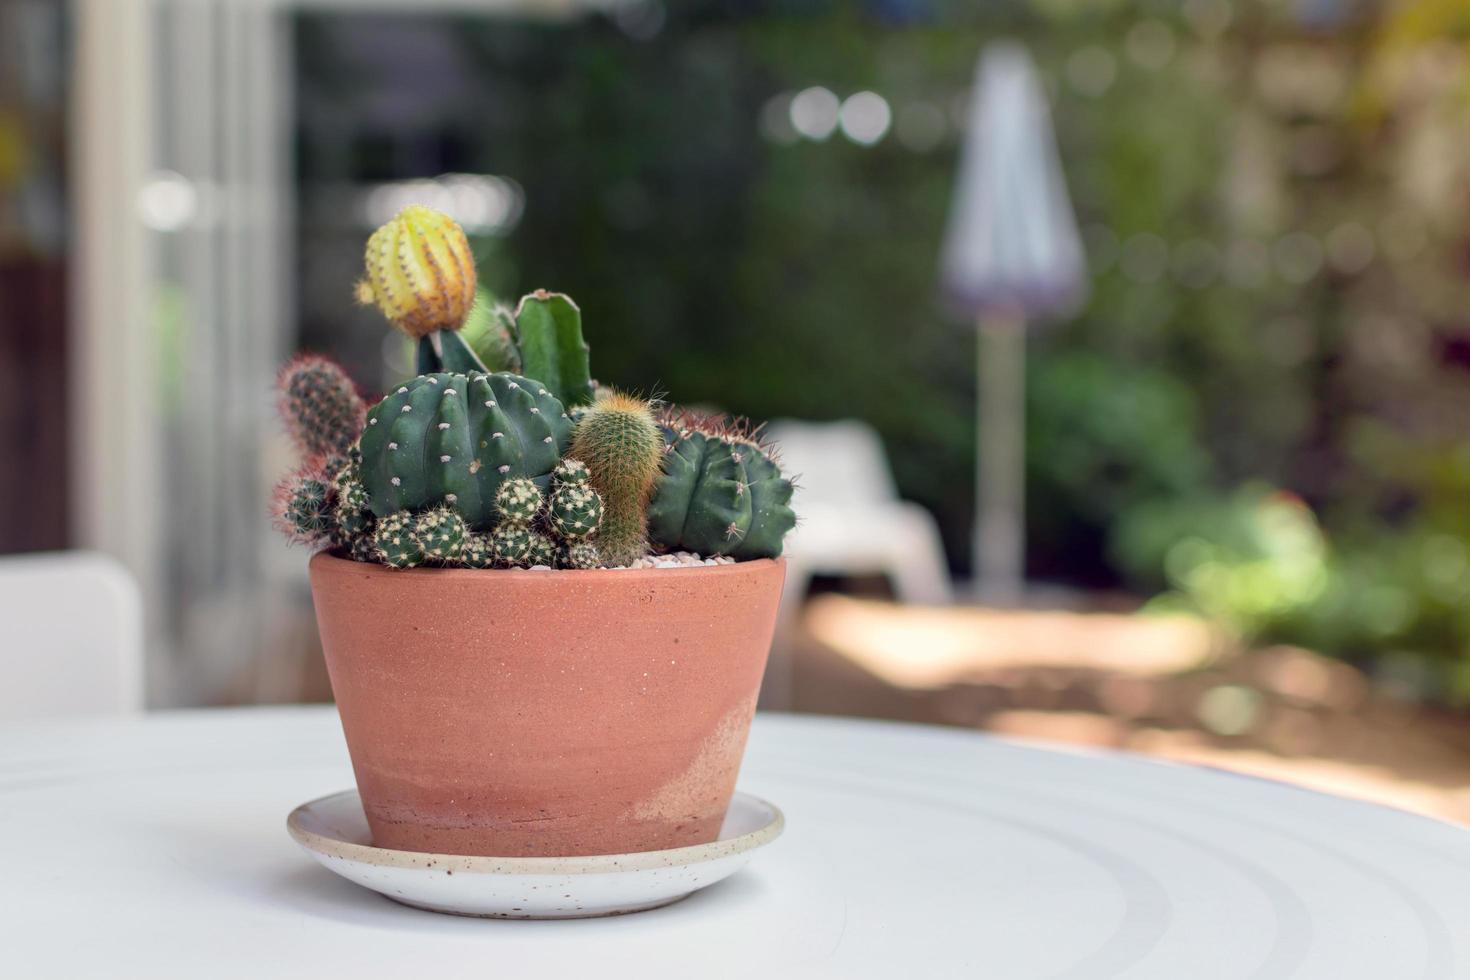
334	831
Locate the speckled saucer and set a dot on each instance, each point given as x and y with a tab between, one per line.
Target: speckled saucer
334	831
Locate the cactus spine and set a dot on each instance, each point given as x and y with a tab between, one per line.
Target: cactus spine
622	447
455	438
721	494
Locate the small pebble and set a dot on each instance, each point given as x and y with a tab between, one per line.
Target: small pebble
540	568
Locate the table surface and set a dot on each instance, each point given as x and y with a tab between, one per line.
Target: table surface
156	847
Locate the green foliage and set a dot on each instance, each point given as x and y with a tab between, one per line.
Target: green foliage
720	495
622	447
455	438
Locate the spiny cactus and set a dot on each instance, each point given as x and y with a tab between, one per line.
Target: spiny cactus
622	447
511	544
477	552
518	500
363	548
320	406
578	554
570	472
574	511
440	533
542	550
721	494
303	505
419	272
455	438
395	542
351	511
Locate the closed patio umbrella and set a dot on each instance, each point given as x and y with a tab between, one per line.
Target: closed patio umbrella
1011	256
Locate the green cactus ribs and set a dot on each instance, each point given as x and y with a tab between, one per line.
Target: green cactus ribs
721	493
455	438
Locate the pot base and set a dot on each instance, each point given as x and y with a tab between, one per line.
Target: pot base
334	831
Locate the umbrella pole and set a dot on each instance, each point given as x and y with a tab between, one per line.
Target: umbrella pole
1000	460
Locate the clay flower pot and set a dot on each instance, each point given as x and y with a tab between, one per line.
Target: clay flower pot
545	713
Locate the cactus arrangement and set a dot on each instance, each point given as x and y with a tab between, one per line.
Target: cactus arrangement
503	452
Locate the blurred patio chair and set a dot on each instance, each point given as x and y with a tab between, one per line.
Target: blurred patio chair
850	518
71	637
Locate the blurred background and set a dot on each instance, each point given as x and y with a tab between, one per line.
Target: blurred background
1193	275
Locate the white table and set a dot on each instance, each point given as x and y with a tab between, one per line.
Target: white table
156	848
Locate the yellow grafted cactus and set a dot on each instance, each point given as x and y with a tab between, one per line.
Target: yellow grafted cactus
419	273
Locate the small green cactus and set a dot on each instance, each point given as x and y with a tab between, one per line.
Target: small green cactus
578	554
395	541
518	501
542	551
353	517
623	447
511	544
363	548
303	505
570	472
440	533
721	494
575	511
477	552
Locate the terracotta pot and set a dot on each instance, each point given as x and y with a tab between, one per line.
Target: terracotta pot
553	713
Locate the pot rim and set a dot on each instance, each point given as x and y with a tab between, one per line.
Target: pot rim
329	560
387	857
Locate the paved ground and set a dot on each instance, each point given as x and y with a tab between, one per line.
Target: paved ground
1168	687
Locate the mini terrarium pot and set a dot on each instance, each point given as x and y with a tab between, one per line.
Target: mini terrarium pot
545	604
528	713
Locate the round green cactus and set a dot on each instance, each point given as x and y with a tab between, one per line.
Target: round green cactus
542	551
578	554
571	471
395	541
455	438
575	511
518	501
511	544
477	552
351	512
363	548
721	494
440	533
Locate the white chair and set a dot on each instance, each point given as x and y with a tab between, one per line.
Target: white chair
71	637
850	519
